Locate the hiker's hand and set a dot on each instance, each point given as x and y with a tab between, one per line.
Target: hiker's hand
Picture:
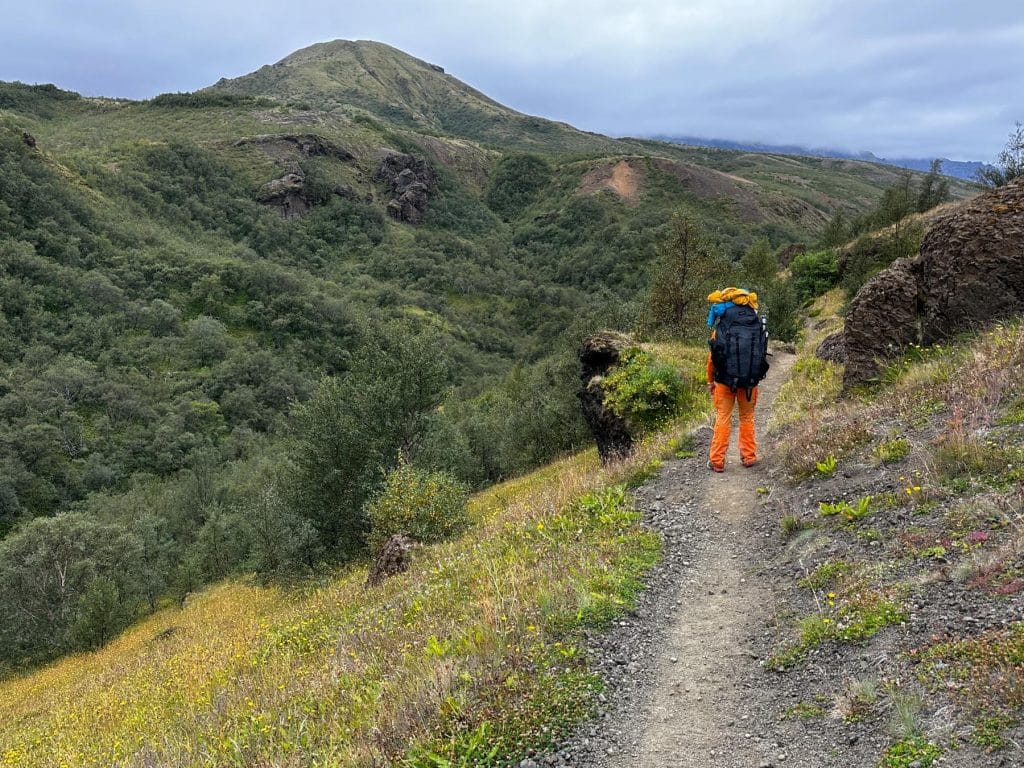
711	388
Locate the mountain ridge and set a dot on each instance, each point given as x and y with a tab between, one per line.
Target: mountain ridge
966	170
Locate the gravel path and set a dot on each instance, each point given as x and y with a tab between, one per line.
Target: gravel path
685	687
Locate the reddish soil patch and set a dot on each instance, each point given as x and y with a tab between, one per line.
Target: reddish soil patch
623	179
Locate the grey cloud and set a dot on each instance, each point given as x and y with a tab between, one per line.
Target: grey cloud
919	77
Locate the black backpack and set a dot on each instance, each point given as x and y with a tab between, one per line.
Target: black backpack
739	349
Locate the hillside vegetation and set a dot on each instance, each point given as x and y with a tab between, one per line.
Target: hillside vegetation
226	316
903	528
474	656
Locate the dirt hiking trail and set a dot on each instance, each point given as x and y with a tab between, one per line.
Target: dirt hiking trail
698	699
685	685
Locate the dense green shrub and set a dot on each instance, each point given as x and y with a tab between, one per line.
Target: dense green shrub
814	273
517	182
428	506
206	100
781	305
644	392
356	425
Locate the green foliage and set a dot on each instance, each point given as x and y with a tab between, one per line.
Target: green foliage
99	614
356	425
208	100
66	582
777	298
689	267
934	188
916	751
892	451
427	506
814	273
826	574
826	466
849	512
1011	161
791	525
517	182
759	267
781	307
837	232
40	100
644	392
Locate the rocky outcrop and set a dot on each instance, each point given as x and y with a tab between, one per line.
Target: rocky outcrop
970	272
394	558
832	348
597	355
412	183
790	252
287	195
305	144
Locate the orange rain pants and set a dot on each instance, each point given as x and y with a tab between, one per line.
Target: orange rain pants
723	399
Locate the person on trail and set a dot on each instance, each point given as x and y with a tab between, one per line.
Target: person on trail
736	363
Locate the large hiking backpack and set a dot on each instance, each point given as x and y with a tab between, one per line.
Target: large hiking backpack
739	349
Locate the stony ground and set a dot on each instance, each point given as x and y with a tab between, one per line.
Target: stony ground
686	683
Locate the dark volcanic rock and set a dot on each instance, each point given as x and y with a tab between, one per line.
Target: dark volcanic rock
970	272
412	183
883	320
306	144
972	264
394	558
597	355
832	348
287	195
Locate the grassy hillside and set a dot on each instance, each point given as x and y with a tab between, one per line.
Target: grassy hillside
903	515
341	77
168	338
472	656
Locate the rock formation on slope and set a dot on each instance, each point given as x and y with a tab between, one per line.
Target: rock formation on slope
287	195
970	272
394	558
304	144
412	182
597	355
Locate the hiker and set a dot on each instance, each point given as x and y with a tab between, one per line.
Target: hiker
736	363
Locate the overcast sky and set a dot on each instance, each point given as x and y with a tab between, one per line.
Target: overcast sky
916	78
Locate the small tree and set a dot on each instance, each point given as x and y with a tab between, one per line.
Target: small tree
934	188
350	433
1011	161
688	267
759	265
100	614
837	231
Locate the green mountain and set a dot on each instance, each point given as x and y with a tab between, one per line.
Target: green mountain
178	276
344	78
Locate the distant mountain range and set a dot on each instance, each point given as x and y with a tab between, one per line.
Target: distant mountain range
959	169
